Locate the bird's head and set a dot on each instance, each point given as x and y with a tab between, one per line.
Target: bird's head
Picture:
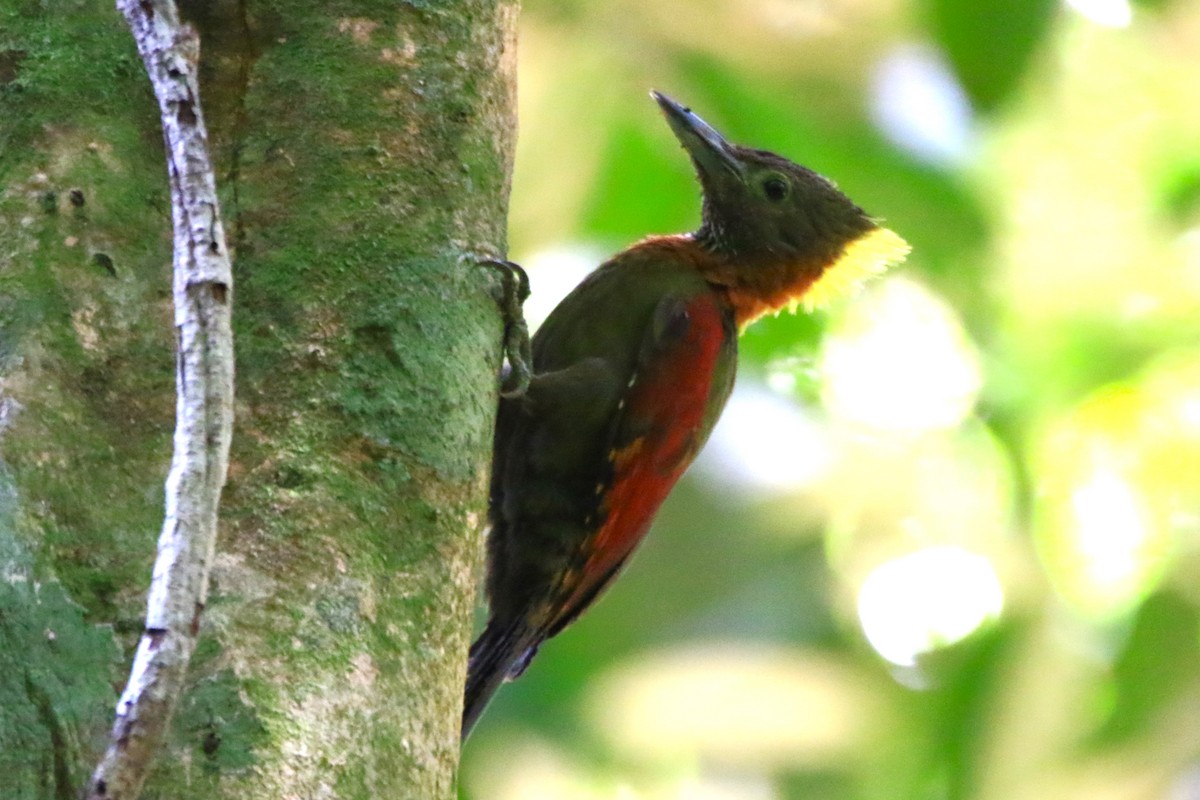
781	234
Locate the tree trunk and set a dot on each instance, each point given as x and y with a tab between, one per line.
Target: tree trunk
363	153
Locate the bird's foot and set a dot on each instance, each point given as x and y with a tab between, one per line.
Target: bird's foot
514	290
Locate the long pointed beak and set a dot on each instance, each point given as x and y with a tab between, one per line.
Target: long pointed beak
708	149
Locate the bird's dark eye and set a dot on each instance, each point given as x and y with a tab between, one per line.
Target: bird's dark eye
775	188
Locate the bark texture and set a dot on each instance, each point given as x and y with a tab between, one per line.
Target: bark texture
363	157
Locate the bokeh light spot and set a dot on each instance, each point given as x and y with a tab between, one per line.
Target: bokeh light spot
1109	13
917	103
1120	487
739	704
765	442
899	359
1112	531
925	600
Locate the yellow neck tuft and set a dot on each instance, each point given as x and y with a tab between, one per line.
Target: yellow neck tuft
867	256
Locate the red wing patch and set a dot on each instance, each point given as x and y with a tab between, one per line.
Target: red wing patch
664	409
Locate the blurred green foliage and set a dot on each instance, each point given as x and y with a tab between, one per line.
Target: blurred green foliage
990	43
1026	389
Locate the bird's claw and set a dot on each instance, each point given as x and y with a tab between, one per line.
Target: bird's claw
514	290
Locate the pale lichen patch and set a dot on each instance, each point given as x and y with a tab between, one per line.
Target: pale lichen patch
403	54
364	671
359	28
82	321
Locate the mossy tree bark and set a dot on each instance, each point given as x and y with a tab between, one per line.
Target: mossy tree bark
363	152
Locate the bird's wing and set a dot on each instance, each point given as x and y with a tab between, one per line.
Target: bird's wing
668	406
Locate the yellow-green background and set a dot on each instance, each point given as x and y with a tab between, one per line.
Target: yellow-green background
1012	417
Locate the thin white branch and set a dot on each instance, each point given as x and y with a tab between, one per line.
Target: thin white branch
203	414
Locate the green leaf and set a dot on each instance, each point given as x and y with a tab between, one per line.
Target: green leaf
1156	668
645	184
989	43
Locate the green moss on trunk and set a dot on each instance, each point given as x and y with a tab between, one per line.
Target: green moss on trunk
363	153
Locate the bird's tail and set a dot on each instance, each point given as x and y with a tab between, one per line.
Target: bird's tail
501	652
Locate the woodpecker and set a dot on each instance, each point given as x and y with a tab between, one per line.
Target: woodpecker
629	375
